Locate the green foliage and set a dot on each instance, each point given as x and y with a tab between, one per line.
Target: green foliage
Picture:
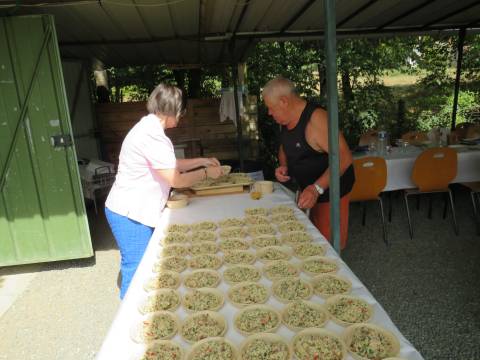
435	56
468	102
471	60
364	101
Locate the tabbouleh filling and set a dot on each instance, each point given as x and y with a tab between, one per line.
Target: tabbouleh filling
290	226
203	235
162	281
257	220
370	343
316	347
307	250
204	225
232	232
182	228
173	263
175	250
240	273
201	326
330	285
201	279
214	350
205	261
302	315
164	351
271	253
239	257
259	349
296	237
319	266
233	244
206	247
265	240
292	289
259	230
165	300
279	269
350	310
249	294
159	327
175	238
280	218
257	320
231	222
281	209
201	300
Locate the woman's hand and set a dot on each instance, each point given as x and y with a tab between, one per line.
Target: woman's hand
308	198
210	162
281	173
214	171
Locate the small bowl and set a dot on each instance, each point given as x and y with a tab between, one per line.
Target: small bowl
177	201
265	187
226	169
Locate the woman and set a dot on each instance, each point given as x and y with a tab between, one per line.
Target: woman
147	170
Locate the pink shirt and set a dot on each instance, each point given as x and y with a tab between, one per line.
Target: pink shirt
138	192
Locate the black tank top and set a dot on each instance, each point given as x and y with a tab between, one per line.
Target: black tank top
306	164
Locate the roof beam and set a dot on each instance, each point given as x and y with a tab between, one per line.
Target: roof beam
147	28
272	34
201	11
356	12
453	13
406	13
235	30
91	26
295	17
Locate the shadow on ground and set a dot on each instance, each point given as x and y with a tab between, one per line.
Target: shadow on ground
429	285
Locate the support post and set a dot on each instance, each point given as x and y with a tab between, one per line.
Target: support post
461	41
332	107
237	108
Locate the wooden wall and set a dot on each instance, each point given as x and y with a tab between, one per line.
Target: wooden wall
199	129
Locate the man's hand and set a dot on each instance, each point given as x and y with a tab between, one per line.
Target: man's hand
308	198
214	171
210	162
281	173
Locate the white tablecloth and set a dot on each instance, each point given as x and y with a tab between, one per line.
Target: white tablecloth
118	345
400	165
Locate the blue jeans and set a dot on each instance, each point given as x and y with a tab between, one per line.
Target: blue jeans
132	239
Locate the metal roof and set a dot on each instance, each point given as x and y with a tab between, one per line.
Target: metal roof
192	32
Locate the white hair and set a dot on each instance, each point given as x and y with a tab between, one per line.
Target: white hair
278	86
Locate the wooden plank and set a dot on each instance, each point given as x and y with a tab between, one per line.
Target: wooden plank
225	190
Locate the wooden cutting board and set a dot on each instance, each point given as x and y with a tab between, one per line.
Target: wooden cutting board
238	188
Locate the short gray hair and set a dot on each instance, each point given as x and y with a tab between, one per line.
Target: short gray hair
278	86
166	100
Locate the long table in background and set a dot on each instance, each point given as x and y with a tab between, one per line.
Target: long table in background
118	344
400	165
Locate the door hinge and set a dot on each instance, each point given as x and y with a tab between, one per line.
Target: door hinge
62	140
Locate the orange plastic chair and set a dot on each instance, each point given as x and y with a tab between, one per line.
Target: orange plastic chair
432	172
368	137
370	180
415	137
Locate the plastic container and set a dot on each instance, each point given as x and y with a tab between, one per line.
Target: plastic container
382	143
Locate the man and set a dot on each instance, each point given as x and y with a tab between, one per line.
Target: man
303	154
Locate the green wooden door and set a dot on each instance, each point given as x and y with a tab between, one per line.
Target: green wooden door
42	213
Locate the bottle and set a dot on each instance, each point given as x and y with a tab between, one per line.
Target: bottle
382	143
